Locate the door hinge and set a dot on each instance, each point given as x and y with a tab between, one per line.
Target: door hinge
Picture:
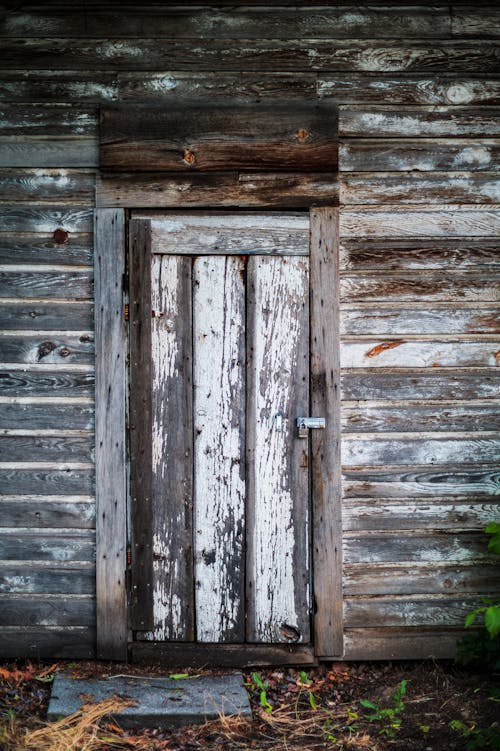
126	311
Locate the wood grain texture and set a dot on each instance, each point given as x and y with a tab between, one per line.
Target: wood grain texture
421	384
219	460
385	121
65	315
277	514
409	643
33	282
47	185
33	151
29	248
47	610
397	321
23	544
431	287
221	655
46	382
369	450
172	441
401	612
47	511
394	221
48	347
441	89
397	353
467	22
412	547
45	218
359	417
42	119
380	579
56	449
111	460
48	481
43	577
221	189
325	444
458	514
36	642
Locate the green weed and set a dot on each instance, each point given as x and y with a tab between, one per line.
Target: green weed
262	686
388	717
478	739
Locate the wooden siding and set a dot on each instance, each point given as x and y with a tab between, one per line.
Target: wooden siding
419	145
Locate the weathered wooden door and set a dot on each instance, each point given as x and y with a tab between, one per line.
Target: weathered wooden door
219	320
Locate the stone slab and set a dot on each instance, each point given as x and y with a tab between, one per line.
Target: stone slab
160	702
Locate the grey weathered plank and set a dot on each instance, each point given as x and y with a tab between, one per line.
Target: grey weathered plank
380	612
414	188
397	353
277	495
39	382
471	21
299	137
30	249
394	221
42	511
441	89
47	544
477	577
111	459
47	348
118	53
409	644
259	189
385	121
39	283
458	514
29	577
219	447
422	154
424	287
42	119
405	254
54	449
46	185
422	482
374	450
47	414
47	481
396	321
172	439
141	426
229	234
413	417
66	315
221	655
325	444
40	152
46	610
37	642
421	383
45	218
413	547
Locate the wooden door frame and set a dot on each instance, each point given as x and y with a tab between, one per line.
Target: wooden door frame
111	448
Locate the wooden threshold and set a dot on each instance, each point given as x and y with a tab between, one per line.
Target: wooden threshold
181	654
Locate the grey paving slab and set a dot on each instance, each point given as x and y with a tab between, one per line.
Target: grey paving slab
159	702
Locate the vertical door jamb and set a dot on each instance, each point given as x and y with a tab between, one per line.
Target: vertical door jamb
325	444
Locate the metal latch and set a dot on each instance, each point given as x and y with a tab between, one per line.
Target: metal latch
304	424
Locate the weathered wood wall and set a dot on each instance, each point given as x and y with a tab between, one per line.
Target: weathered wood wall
418	93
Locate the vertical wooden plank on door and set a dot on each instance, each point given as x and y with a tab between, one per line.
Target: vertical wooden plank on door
111	488
172	441
141	602
219	418
326	463
278	492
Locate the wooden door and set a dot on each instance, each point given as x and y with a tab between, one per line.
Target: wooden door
220	481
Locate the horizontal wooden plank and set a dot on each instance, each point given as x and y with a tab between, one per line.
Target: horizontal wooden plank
242	23
155	190
391	644
289	137
47	482
407	90
47	544
380	612
39	283
424	287
414	188
46	185
406	254
379	547
422	482
61	119
421	578
394	221
38	382
421	384
47	316
396	321
46	610
220	234
19	218
120	53
471	21
424	155
31	249
70	642
59	448
28	577
458	514
415	416
47	347
39	512
43	153
396	353
382	121
220	655
45	414
361	450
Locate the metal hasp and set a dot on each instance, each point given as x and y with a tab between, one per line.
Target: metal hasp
304	424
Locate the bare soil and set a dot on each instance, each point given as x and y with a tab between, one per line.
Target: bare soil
445	709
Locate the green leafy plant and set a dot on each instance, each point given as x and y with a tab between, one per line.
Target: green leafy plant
304	681
478	738
262	687
388	717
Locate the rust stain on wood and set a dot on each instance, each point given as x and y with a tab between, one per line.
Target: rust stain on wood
382	347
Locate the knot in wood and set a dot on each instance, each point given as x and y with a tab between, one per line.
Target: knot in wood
189	156
60	236
302	134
